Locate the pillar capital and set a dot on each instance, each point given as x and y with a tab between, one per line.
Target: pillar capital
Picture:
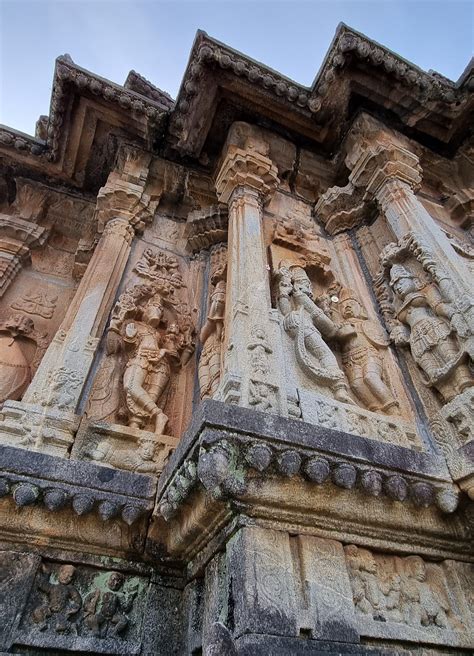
248	170
341	208
246	165
123	196
379	163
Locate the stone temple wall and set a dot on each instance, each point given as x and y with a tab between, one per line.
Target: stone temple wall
236	356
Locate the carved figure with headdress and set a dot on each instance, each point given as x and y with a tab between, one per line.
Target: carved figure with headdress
310	327
363	355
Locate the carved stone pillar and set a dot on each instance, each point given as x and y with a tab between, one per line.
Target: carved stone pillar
253	363
46	418
17	238
391	174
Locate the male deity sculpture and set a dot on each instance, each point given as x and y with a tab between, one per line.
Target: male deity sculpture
310	327
430	336
211	336
362	355
105	611
63	601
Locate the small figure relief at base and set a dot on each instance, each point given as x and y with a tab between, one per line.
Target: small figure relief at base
310	327
78	605
150	338
363	343
402	590
212	334
105	611
62	603
21	349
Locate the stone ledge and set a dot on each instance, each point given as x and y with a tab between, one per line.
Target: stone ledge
241	421
36	478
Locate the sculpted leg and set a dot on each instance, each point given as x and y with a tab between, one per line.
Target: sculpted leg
139	402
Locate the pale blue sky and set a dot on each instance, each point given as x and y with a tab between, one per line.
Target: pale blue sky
154	37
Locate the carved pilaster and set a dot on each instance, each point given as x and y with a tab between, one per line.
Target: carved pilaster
253	371
122	207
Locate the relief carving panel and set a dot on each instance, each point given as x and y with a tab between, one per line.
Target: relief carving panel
76	607
408	598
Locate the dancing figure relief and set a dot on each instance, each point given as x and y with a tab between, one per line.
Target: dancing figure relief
310	327
150	338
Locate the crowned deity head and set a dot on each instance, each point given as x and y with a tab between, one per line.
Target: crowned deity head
402	281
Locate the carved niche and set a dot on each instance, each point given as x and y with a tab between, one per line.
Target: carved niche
424	312
149	339
21	350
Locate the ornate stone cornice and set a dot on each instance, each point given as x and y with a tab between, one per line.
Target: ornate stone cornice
83	488
249	169
351	54
341	208
69	78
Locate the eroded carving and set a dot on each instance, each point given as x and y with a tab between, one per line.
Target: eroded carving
62	601
105	611
211	336
403	590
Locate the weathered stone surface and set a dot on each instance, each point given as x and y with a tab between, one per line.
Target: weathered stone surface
236	362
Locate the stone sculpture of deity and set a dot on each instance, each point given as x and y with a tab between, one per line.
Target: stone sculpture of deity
310	327
15	372
363	356
431	337
211	336
152	348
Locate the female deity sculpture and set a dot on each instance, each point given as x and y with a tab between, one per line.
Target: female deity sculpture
430	336
14	367
152	349
211	337
362	356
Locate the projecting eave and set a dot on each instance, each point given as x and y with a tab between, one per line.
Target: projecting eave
86	113
221	85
